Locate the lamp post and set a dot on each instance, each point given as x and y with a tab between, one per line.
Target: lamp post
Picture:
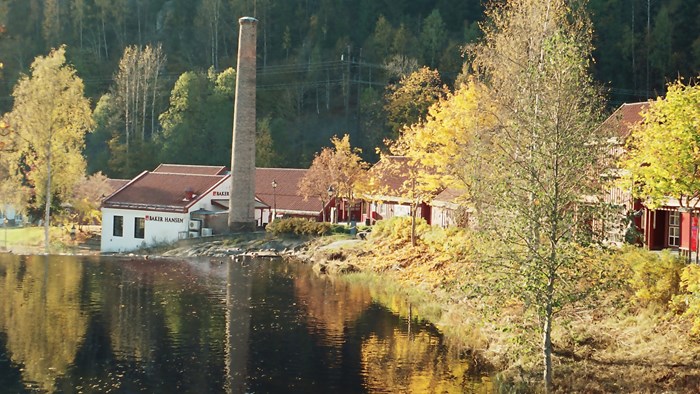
330	197
274	199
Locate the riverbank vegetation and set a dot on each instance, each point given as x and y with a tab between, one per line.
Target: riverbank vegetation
26	240
634	332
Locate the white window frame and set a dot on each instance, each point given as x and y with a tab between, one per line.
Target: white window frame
674	229
118	226
139	228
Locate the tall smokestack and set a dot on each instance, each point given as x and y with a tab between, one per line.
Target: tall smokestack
241	214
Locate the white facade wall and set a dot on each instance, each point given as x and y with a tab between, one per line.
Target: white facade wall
443	216
220	192
160	227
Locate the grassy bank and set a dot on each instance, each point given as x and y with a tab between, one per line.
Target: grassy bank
636	336
24	240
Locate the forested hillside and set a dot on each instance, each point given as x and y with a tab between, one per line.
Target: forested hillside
159	75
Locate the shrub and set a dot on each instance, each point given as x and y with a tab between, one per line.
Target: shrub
454	242
298	226
688	301
398	229
655	276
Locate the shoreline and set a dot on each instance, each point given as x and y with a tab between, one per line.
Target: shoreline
599	351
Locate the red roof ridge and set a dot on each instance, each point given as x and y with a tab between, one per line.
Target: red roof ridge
169	168
168	200
142	174
281	169
187	174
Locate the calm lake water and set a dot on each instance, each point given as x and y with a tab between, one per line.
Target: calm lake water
116	325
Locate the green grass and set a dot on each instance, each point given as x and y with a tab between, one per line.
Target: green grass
27	237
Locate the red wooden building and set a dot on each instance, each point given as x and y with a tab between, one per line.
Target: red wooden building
667	227
388	198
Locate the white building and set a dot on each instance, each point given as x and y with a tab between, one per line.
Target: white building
172	202
184	201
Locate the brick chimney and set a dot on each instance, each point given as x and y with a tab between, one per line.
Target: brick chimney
241	215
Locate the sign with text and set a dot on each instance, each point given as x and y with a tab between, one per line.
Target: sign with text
150	218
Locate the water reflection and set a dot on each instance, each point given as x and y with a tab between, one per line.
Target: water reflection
40	316
71	324
238	290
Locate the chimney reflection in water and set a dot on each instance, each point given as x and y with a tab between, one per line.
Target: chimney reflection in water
238	292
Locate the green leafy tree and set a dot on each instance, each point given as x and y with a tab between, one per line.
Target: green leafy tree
381	40
405	43
372	125
407	102
546	153
97	148
661	57
51	117
432	37
264	145
662	158
197	124
11	193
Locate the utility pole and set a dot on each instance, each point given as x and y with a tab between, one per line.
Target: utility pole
648	42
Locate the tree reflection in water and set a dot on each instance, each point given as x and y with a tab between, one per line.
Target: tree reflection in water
101	324
39	313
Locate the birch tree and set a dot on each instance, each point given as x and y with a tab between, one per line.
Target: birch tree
535	59
51	117
137	92
209	15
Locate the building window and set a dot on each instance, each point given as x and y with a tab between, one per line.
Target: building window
674	229
118	226
139	228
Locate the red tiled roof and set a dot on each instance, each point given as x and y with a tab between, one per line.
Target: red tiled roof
625	117
286	195
116	184
389	176
389	173
162	191
449	195
191	169
451	198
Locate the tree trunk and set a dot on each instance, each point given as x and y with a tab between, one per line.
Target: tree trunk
155	90
690	233
47	207
414	208
547	335
104	37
